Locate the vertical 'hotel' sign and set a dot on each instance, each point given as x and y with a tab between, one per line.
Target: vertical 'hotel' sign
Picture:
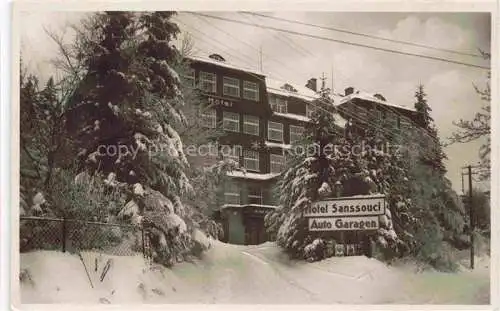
212	100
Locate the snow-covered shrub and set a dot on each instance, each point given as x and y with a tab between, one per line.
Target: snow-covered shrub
201	242
316	250
81	199
433	250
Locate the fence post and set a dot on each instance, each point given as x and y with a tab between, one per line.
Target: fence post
64	235
143	240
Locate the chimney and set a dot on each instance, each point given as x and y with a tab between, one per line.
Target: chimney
380	96
349	91
312	84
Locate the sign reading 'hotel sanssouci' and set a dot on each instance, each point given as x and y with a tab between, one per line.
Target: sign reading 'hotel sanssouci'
346	214
351	206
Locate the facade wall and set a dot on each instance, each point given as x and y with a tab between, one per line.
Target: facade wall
296	106
242	211
243	219
287	122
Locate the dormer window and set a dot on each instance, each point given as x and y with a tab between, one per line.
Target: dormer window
217	57
380	97
289	88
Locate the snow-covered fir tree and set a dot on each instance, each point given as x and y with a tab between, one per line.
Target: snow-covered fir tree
423	211
130	100
423	109
299	185
335	170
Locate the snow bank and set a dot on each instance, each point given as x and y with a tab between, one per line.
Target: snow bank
54	277
227	273
202	239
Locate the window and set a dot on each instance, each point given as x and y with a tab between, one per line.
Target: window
189	79
209	118
251	125
277	163
250	90
278	104
231	193
231	121
251	160
254	194
275	131
405	123
310	109
296	133
231	87
362	113
391	118
232	153
208	82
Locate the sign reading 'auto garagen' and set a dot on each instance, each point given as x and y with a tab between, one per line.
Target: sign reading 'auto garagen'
351	206
343	223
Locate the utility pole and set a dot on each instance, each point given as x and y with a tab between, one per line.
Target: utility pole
471	211
323	85
260	58
471	216
463	189
332	79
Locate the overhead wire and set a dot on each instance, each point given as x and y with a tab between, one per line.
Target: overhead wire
338	107
346	111
355	117
392	109
247	44
342	41
252	74
293	45
363	34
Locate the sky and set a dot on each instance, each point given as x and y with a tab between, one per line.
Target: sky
295	59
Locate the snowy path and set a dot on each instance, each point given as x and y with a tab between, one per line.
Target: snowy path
230	274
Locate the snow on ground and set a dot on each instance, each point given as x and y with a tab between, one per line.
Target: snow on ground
243	274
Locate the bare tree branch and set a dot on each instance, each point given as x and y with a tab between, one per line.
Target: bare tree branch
480	125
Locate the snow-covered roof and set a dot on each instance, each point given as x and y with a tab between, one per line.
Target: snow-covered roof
293	116
336	98
250	175
248	205
339	120
224	64
370	97
277	145
304	93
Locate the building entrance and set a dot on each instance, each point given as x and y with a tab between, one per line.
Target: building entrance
255	232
